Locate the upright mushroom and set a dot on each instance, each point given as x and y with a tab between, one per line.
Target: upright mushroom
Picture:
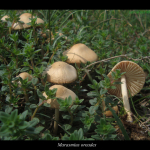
80	53
62	92
4	18
133	80
24	75
25	17
60	73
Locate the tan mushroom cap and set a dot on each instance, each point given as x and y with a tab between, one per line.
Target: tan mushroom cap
62	92
80	53
4	17
60	73
25	17
24	75
135	78
109	113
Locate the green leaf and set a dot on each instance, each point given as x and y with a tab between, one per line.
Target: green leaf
39	129
40	94
33	122
66	126
14	114
24	69
23	125
66	116
34	80
4	116
92	93
93	109
4	130
97	137
69	100
33	106
8	109
80	134
23	115
103	91
93	101
46	105
47	136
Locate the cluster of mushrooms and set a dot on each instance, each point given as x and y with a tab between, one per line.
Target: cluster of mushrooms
61	73
26	18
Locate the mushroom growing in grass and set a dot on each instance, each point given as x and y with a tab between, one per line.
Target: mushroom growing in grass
108	113
62	92
23	75
60	73
80	53
26	18
4	18
133	80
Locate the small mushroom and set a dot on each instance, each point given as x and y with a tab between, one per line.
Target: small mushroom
4	17
24	75
60	73
80	53
108	113
62	92
133	80
25	17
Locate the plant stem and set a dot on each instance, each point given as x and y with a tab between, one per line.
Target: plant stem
56	122
26	96
32	62
71	116
104	60
37	109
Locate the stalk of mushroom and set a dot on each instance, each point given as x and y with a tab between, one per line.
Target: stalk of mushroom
125	98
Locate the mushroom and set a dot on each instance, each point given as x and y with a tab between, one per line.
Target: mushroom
24	75
62	92
133	80
80	53
109	113
60	73
25	17
4	17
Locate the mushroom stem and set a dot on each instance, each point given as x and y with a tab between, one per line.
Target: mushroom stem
57	119
125	98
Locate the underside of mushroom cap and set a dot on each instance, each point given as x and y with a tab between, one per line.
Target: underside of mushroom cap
61	73
80	53
62	92
135	78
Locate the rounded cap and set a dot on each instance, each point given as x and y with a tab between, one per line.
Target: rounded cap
109	113
4	17
24	75
135	78
25	17
80	53
62	92
61	73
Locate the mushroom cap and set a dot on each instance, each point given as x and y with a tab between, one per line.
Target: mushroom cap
109	113
135	78
4	17
80	53
60	73
24	75
62	92
25	17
